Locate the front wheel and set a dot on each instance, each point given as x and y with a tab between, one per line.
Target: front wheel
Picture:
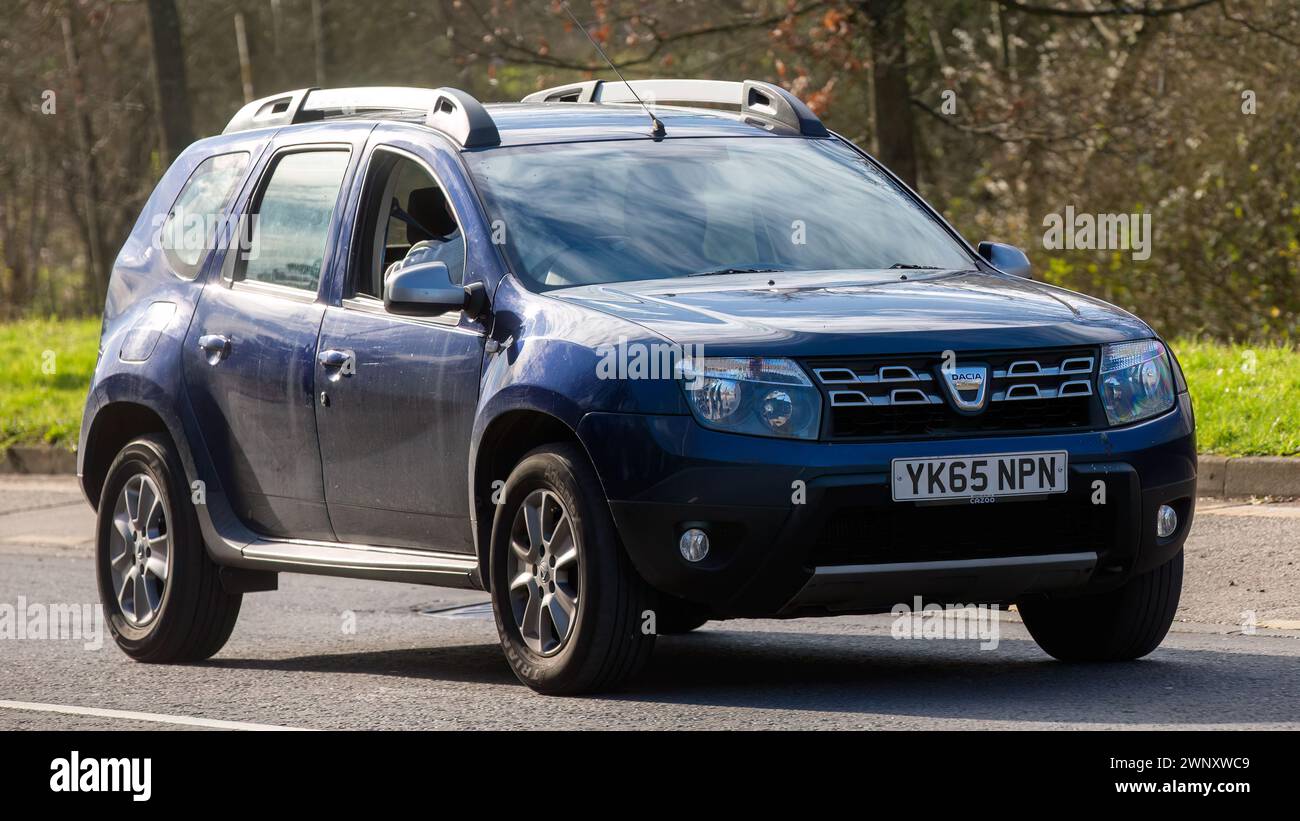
1124	624
160	590
568	604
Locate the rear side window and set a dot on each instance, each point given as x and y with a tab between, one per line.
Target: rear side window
291	221
191	226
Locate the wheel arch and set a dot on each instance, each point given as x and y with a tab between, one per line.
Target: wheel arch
114	426
501	446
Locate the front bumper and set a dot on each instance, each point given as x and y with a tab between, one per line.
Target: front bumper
800	527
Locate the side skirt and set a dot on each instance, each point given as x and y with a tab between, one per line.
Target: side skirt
230	544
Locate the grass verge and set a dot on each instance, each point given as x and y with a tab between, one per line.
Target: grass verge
1246	397
45	369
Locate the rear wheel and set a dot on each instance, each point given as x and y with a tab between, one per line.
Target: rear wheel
568	604
1124	624
161	592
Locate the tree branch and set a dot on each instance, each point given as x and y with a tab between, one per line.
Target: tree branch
520	55
1117	10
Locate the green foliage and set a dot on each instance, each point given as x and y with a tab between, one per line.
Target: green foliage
1246	398
45	370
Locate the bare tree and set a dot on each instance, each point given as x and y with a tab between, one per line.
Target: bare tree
890	89
245	61
171	96
318	38
96	272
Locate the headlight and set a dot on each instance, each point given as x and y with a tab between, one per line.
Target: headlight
762	397
1135	381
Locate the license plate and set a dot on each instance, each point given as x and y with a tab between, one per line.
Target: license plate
986	476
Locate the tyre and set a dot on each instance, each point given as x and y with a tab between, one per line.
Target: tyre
569	606
674	617
162	596
1124	624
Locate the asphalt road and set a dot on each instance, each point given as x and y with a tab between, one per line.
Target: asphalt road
334	653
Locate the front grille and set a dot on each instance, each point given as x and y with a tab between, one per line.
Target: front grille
906	396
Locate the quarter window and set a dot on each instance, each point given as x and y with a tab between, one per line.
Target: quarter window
292	219
191	225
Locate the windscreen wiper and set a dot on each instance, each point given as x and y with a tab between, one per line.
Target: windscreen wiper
721	271
910	267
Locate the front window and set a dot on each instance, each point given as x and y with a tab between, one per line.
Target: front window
584	213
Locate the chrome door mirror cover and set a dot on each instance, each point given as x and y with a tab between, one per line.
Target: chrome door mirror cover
424	289
1006	258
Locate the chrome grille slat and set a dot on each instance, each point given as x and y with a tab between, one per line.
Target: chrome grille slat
849	399
840	380
896	397
1077	387
1059	370
1021	391
910	396
848	376
909	375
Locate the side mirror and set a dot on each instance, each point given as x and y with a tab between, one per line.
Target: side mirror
424	289
1006	258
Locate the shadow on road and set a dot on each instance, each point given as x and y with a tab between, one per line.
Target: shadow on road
878	675
472	663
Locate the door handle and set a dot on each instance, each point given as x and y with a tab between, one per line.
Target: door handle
335	361
215	346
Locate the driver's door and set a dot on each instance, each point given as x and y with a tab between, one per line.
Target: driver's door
398	393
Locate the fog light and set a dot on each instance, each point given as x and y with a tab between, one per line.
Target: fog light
1166	522
694	545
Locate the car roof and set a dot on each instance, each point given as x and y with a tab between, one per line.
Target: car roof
534	123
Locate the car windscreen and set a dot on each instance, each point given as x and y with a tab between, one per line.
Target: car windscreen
598	212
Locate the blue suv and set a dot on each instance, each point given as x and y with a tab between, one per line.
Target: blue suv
627	366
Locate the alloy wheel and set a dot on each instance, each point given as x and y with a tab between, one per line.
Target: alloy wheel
543	569
139	550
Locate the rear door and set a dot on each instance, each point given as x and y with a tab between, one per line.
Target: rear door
250	356
403	390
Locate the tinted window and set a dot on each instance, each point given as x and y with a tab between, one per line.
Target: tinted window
291	227
585	213
188	232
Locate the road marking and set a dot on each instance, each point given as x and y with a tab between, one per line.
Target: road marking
156	718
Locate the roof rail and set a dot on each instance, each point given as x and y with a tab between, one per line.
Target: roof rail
765	102
463	118
449	110
278	109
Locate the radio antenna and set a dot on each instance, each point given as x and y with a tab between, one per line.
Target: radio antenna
657	129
